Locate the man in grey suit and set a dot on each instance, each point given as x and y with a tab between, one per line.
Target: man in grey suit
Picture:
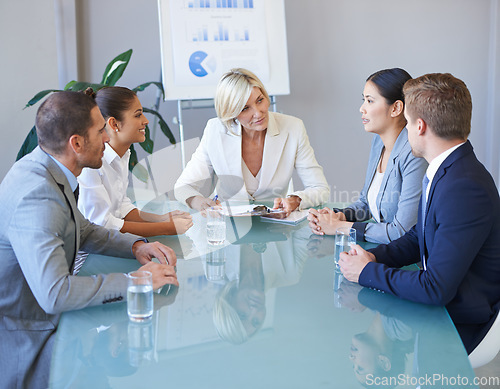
41	230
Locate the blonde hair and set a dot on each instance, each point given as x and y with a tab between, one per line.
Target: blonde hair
232	93
226	320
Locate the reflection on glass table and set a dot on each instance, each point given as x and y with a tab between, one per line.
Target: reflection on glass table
265	310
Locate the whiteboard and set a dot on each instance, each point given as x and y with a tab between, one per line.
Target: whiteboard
203	39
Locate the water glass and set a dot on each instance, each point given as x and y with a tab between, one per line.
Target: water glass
216	226
140	295
344	238
337	282
140	342
216	263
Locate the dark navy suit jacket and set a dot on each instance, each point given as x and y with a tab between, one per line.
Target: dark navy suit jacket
461	244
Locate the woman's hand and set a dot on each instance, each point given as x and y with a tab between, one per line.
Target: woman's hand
289	204
201	203
326	221
182	222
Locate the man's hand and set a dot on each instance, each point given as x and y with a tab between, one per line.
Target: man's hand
145	252
162	274
288	204
352	263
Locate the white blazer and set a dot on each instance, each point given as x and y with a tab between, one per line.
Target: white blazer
217	164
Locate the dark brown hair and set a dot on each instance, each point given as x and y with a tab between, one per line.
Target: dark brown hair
60	116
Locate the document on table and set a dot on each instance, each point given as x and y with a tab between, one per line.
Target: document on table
238	210
294	218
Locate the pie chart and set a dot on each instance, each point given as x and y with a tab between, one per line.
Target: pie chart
201	64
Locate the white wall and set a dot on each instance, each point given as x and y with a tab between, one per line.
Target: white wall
28	64
333	46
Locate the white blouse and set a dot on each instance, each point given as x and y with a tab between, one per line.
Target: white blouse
373	193
103	198
251	181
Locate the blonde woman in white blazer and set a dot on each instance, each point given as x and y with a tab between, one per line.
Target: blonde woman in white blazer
249	153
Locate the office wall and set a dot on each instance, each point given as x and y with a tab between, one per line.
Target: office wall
28	64
333	46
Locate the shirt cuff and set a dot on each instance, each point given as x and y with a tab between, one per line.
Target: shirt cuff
137	240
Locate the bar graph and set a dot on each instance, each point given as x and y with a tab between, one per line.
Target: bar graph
211	4
219	32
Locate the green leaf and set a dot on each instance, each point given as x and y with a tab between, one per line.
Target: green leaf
133	158
148	144
115	68
70	84
140	172
29	144
163	124
40	95
79	86
141	87
136	168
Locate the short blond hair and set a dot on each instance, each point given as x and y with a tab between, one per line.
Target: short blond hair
443	102
232	93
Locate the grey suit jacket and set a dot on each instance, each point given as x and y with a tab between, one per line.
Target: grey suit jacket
398	197
41	231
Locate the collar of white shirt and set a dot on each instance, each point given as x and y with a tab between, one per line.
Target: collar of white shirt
436	163
110	154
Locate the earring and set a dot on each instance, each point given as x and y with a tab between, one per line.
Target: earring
116	130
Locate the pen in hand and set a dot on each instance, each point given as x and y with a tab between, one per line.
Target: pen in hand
215	200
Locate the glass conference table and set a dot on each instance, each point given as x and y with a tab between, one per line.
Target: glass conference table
265	310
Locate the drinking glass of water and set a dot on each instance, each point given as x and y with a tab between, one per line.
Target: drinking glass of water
215	263
216	226
344	238
140	295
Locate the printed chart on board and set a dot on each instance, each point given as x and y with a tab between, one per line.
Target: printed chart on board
209	37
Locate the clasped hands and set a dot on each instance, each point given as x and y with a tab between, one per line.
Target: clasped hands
353	262
163	272
326	221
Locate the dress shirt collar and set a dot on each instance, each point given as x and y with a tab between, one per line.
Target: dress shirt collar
73	183
436	162
110	154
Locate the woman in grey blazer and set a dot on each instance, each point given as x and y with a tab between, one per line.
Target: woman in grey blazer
393	182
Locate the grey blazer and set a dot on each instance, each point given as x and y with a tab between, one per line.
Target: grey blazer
398	197
41	230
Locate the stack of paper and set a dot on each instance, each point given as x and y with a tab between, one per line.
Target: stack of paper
294	218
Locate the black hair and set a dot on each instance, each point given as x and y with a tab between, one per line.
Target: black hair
390	83
113	101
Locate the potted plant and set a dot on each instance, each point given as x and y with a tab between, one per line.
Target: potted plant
111	75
